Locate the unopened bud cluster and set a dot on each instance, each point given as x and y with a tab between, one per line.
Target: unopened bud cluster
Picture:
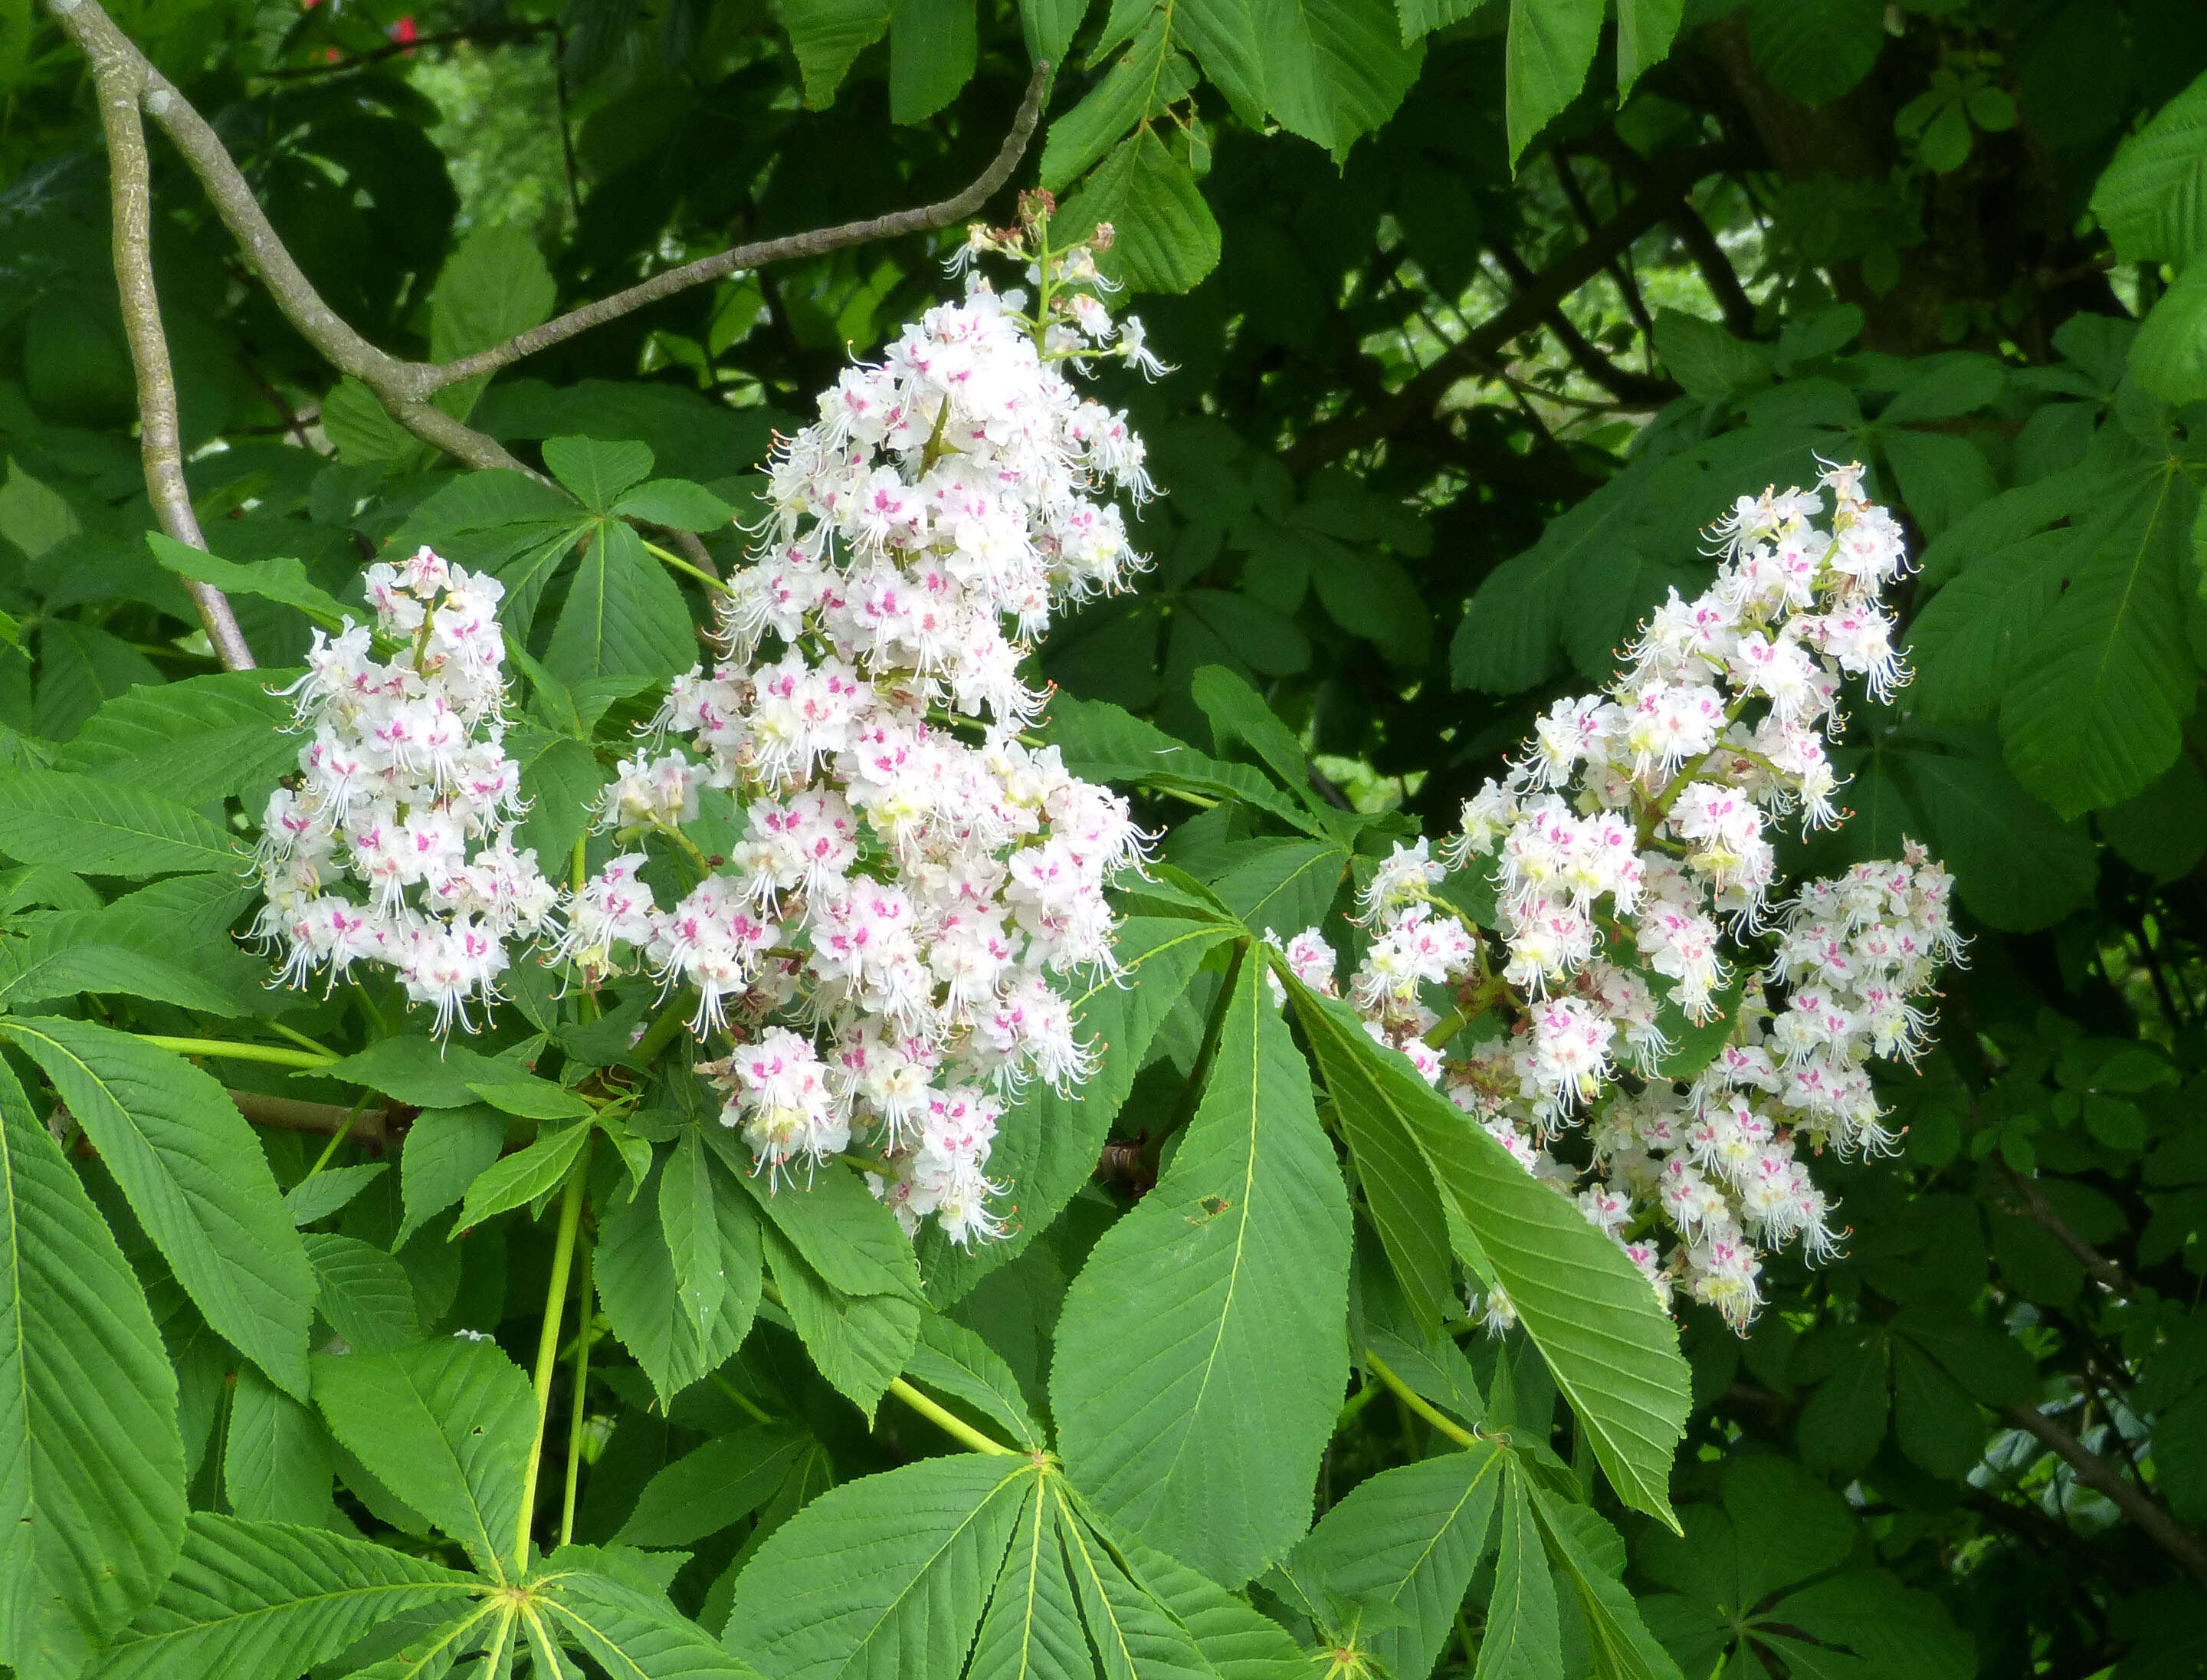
1629	858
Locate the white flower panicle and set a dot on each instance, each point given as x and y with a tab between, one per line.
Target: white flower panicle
882	948
395	845
1628	854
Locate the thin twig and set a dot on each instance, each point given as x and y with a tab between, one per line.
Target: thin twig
2106	1273
489	34
2102	1477
1620	382
817	243
118	83
1655	202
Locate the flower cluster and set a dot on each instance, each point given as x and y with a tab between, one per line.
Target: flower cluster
881	946
404	793
1628	855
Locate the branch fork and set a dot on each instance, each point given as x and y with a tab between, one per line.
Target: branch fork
125	81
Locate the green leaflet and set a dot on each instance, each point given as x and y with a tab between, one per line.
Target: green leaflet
265	1600
91	1498
717	1484
953	1361
1814	51
446	1150
1128	93
191	740
885	1578
1645	30
828	35
690	1222
1334	69
1587	1557
1238	714
1168	239
1237	1641
933	48
1130	1634
494	285
1550	49
1613	1349
195	1177
448	1426
1967	643
635	1274
322	1195
362	1292
851	1239
2108	681
1521	1639
1408	1540
625	1624
2152	199
624	613
277	1463
1399	1187
283	581
92	827
860	1343
1285	886
1211	1316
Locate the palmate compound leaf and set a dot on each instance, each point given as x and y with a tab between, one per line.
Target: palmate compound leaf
448	1426
266	1601
1612	1350
1408	1540
1033	1628
92	1470
195	1176
1212	1316
885	1578
1047	1144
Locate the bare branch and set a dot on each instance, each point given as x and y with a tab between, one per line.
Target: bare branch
371	1127
118	84
1656	201
2106	1273
1621	383
404	387
2102	1477
817	243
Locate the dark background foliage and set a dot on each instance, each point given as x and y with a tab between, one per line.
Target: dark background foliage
1440	431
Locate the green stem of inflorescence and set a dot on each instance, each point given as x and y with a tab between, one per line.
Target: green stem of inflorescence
574	1422
1418	1403
668	557
547	1346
